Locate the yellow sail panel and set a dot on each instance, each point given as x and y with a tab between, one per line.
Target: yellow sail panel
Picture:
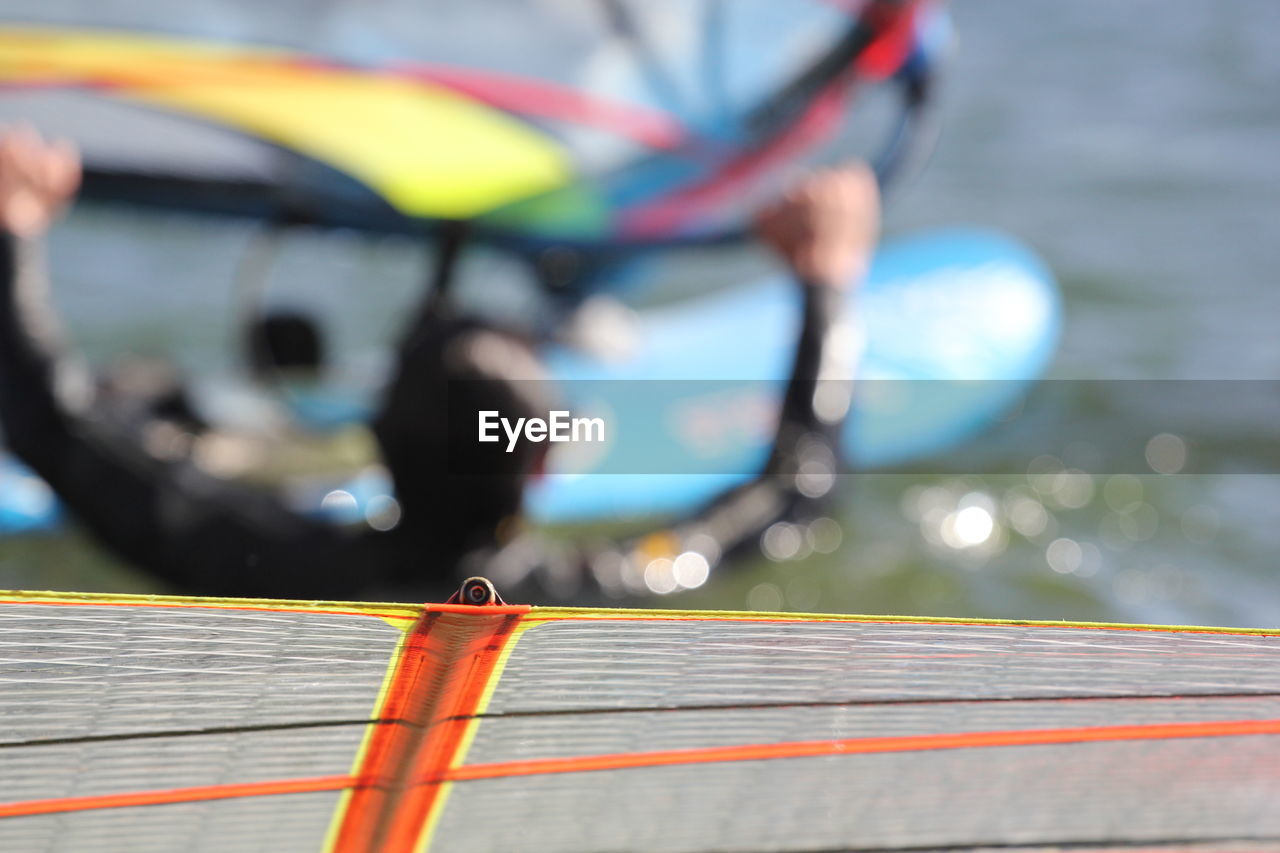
426	150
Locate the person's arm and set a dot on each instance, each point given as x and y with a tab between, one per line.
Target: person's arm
36	180
199	533
825	230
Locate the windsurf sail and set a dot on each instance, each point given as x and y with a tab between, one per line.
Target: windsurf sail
153	723
599	123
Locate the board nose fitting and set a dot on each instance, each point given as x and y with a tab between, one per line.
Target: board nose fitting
477	592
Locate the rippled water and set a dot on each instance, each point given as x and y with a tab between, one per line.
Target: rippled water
1133	145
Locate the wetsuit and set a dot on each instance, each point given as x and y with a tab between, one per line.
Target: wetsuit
202	534
214	537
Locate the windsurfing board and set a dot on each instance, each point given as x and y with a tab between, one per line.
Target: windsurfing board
153	723
953	327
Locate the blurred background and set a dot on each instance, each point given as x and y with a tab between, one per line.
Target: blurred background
1134	145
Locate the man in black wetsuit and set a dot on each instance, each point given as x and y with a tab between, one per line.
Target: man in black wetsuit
212	537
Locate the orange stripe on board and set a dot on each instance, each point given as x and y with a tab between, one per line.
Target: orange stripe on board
176	795
444	667
437	750
862	746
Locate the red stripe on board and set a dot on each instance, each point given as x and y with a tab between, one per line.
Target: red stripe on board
213	606
388	743
176	795
483	610
863	746
440	749
445	665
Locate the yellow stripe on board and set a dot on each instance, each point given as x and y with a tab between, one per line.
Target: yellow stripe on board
375	716
400	613
429	151
559	614
399	616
